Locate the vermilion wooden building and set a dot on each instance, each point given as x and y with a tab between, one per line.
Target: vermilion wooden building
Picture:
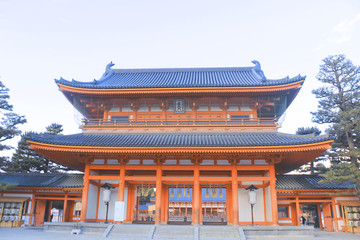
193	140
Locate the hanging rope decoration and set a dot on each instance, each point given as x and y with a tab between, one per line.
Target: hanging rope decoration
172	191
213	192
179	192
221	195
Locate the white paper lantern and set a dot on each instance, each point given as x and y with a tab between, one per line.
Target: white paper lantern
252	197
106	195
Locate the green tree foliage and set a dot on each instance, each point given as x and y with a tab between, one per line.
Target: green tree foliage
9	120
6	185
311	167
344	173
339	103
339	106
27	160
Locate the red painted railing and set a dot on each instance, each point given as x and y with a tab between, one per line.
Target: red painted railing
181	122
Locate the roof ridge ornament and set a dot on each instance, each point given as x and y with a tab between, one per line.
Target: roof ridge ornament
257	64
108	67
108	72
257	71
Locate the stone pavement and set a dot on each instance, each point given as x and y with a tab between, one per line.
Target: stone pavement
31	234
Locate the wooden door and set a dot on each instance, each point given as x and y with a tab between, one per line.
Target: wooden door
40	212
328	217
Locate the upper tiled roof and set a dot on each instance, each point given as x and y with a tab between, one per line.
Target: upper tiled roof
238	139
43	179
181	77
302	182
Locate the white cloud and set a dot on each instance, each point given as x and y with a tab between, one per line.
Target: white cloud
343	30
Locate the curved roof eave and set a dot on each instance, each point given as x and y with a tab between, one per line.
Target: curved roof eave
178	78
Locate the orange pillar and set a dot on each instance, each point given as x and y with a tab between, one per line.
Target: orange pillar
196	195
234	191
32	210
158	194
130	202
228	204
274	206
334	214
264	197
319	214
85	193
298	211
166	205
122	183
65	211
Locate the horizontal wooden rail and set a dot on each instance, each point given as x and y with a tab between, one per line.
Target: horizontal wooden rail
180	122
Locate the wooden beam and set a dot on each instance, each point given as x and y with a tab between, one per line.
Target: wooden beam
250	178
252	167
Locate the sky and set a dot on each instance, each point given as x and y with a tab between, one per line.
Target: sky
43	40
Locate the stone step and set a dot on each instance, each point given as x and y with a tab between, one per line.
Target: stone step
173	232
278	233
219	233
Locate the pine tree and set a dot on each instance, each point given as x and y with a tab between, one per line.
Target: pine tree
27	160
9	120
311	167
339	106
339	103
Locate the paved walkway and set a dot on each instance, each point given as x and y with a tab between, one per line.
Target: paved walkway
27	234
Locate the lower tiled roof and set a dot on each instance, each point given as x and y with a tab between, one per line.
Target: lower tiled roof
239	139
64	180
43	179
304	182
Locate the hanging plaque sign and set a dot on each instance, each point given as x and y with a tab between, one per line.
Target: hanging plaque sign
179	106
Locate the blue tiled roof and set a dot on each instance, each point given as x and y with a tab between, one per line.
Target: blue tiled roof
301	182
283	182
240	139
43	180
181	77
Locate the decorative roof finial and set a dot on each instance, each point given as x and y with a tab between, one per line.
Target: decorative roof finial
257	65
108	67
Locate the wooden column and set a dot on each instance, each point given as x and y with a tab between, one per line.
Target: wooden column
298	211
334	213
234	191
98	200
319	215
158	193
85	193
32	214
196	195
130	202
264	198
274	206
228	204
65	211
167	205
122	183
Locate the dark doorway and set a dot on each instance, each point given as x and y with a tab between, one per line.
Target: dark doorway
311	214
180	205
214	205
